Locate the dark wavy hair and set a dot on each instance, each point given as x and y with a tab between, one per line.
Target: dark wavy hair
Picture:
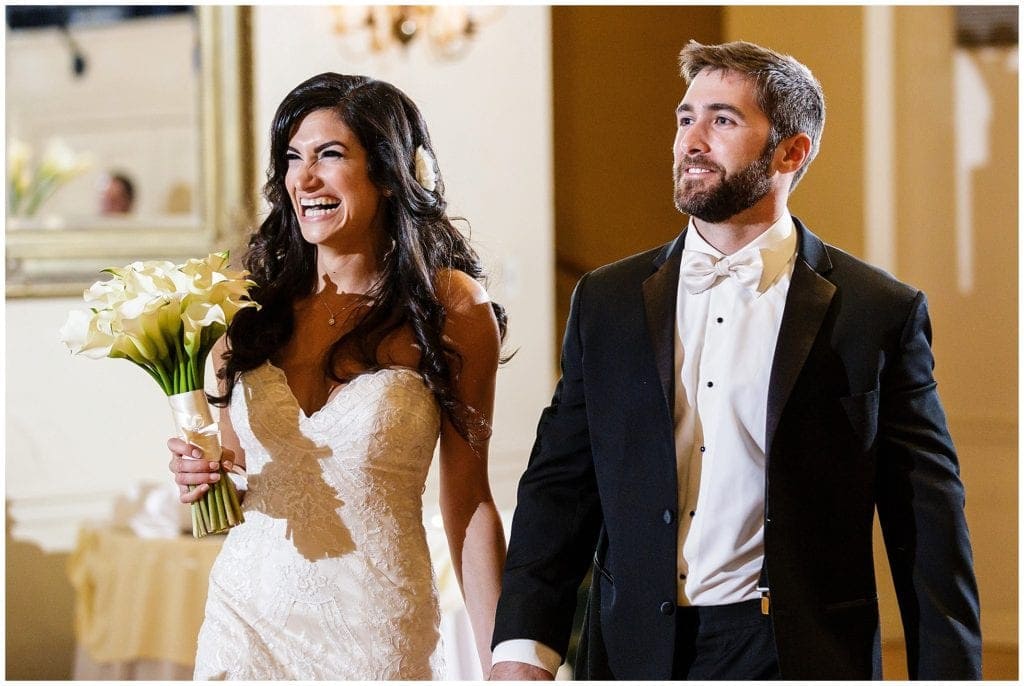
390	127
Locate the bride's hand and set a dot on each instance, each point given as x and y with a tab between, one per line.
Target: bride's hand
190	469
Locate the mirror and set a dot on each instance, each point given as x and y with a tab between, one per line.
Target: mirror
161	99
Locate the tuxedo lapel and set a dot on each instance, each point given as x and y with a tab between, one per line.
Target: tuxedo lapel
660	290
807	302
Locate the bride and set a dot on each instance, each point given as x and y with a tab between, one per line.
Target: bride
374	339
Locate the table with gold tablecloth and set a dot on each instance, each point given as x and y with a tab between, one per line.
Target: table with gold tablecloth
138	603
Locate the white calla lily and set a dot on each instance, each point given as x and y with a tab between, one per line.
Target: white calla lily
104	294
92	336
76	330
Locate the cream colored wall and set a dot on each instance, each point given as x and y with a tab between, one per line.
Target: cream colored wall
975	330
79	432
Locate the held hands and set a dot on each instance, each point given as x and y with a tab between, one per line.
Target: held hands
190	469
518	671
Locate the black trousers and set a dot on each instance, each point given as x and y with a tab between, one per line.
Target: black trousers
733	642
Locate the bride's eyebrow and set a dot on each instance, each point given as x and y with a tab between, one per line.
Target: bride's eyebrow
330	144
323	146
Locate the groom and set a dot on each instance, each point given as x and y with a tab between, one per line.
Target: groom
733	409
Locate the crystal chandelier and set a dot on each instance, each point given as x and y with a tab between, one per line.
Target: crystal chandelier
446	29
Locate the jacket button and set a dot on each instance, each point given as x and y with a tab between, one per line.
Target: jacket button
667	516
668	608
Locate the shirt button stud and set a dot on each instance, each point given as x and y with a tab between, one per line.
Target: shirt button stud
719	320
667	608
710	384
702	448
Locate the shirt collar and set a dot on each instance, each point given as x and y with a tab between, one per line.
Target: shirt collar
777	245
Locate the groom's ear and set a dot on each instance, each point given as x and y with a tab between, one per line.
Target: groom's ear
792	153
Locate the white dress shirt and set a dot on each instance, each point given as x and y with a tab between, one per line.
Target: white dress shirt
725	343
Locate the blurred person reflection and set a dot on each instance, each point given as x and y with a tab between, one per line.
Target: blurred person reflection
117	194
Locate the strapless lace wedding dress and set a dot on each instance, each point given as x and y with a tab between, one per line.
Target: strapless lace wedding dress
330	576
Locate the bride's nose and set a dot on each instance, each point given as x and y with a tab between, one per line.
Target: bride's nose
305	175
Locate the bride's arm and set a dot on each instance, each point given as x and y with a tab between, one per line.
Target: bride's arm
475	536
202	472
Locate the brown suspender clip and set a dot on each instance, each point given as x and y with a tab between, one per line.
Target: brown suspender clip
766	602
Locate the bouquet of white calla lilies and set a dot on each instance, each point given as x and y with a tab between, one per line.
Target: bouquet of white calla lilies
165	318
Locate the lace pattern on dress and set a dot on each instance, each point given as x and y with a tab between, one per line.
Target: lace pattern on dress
330	576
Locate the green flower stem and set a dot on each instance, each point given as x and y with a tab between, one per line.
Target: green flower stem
222	499
226	499
166	382
218	510
180	378
204	508
235	511
211	504
198	527
175	362
182	363
222	504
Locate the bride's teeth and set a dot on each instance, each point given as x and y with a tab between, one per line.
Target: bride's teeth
315	207
316	212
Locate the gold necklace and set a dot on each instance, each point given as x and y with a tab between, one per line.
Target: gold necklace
333	320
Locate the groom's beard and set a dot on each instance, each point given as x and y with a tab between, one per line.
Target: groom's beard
733	194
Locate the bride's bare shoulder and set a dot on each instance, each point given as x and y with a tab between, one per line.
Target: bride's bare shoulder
458	291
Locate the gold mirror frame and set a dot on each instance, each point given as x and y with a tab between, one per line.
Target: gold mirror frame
62	262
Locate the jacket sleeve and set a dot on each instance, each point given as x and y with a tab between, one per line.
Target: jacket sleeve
921	510
557	517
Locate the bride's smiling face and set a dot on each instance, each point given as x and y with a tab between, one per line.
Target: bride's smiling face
327	180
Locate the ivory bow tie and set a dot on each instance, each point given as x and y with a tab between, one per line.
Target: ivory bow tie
701	271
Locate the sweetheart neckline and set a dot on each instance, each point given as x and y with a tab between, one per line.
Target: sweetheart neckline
338	391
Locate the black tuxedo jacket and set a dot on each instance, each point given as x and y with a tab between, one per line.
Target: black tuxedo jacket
854	424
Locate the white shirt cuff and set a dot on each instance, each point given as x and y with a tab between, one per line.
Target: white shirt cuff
528	651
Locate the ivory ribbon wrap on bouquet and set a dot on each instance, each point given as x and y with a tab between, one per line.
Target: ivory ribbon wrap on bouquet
219	508
194	423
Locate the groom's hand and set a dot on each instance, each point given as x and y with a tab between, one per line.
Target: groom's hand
518	671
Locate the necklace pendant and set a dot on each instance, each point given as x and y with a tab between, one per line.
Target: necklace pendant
330	322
